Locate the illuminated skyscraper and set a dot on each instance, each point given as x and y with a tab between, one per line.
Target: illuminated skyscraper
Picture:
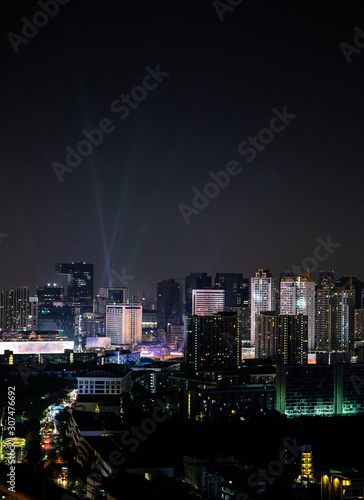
357	285
207	302
266	332
80	282
213	342
124	323
342	304
335	308
292	339
297	296
262	297
49	294
195	281
323	323
14	308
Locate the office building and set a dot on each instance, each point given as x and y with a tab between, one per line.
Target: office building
236	289
110	379
112	295
92	325
195	281
124	323
169	305
80	282
207	302
262	297
32	321
49	294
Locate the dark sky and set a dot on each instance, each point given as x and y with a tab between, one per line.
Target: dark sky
119	207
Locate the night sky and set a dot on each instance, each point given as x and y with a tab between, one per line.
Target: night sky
118	209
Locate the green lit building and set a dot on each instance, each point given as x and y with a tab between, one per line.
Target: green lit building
320	390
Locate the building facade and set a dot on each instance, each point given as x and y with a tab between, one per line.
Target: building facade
213	342
207	302
124	323
262	297
80	282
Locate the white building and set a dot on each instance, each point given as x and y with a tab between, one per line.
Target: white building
124	323
207	302
297	296
110	379
262	297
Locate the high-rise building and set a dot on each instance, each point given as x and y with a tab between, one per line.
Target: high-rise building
169	306
292	339
49	294
335	313
208	302
124	323
297	296
114	295
92	325
357	285
342	305
262	296
326	279
266	332
80	282
323	323
32	321
359	324
213	342
149	325
236	289
14	308
195	281
243	314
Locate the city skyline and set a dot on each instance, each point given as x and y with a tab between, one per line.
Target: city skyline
181	268
261	110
